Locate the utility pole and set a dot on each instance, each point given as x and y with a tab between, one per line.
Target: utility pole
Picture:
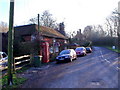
118	29
38	23
39	33
118	24
10	42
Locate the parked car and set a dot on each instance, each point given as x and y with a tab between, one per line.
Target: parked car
80	51
66	55
3	59
88	49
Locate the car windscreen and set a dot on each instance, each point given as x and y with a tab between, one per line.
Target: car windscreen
87	48
65	52
79	49
4	55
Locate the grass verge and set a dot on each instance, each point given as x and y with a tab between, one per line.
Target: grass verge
23	69
116	50
16	82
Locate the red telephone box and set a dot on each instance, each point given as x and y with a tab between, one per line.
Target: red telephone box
45	52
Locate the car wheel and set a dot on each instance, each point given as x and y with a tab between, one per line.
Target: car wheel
70	59
57	62
75	58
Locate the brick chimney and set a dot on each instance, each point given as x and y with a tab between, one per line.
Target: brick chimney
80	31
62	28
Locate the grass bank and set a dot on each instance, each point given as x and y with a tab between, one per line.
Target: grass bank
110	48
16	82
116	50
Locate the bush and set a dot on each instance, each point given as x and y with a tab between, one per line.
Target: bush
53	57
106	41
22	48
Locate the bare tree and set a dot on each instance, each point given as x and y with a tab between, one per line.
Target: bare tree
94	32
33	20
115	19
88	31
112	24
46	19
109	26
3	27
100	31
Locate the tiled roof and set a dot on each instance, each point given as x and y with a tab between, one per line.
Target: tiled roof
46	31
24	30
31	29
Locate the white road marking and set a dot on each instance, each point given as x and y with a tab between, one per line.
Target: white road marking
103	60
107	61
118	68
103	57
101	54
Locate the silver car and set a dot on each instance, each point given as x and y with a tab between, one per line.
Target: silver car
66	55
3	59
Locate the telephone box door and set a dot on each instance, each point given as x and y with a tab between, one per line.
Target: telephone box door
45	52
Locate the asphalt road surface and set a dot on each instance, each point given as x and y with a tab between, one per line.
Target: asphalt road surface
98	69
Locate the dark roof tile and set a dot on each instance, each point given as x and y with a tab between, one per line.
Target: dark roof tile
32	28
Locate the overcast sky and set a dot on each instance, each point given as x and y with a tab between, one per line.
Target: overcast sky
75	13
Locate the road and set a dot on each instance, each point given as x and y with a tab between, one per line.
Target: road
98	69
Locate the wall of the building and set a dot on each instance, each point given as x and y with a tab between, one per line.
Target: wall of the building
3	42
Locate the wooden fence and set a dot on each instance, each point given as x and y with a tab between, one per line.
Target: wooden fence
19	62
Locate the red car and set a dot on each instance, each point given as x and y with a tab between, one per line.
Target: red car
80	51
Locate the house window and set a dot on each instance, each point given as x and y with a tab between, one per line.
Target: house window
65	41
56	49
51	49
33	38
